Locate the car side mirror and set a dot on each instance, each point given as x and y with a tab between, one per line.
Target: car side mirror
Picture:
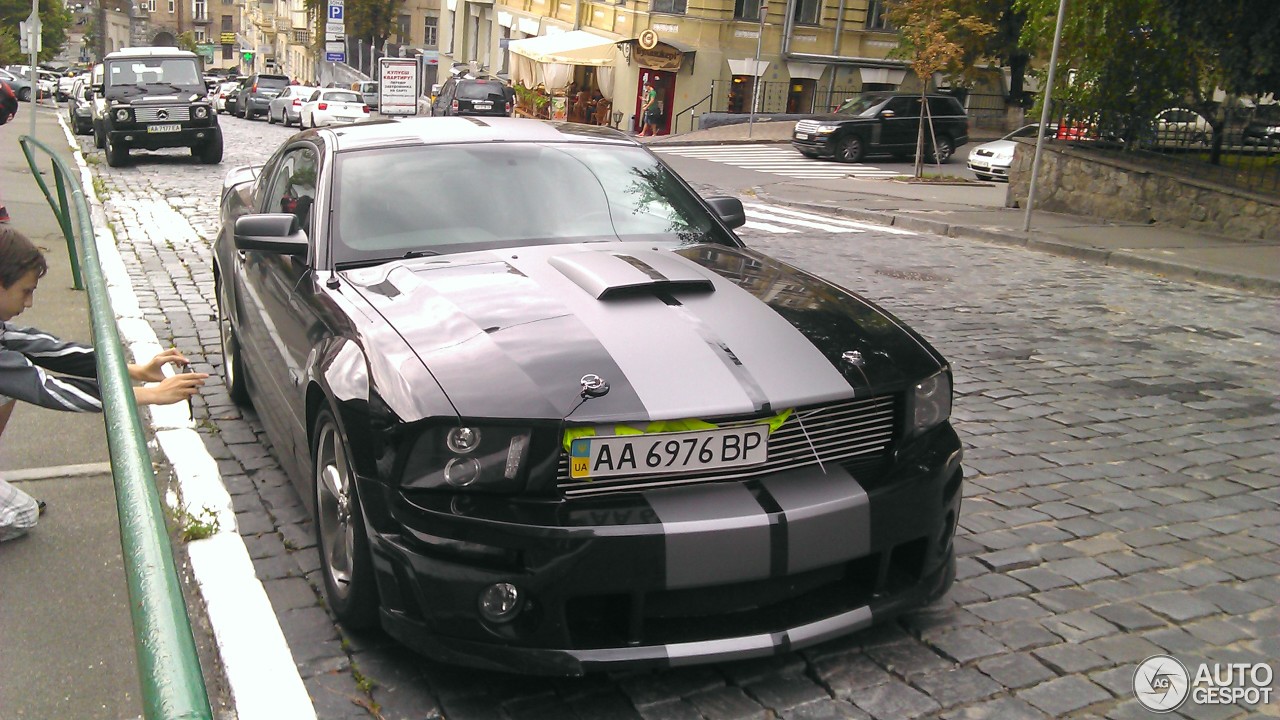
277	233
729	210
887	113
88	94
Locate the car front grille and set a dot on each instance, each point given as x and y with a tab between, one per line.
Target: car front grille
178	113
807	126
852	430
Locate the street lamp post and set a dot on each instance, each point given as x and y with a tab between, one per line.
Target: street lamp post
755	70
1044	114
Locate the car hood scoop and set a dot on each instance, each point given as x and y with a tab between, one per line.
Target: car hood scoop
607	276
696	332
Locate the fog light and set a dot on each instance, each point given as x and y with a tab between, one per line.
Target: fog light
463	440
461	472
500	602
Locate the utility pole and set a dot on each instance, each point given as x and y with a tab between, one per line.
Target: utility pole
33	39
1044	114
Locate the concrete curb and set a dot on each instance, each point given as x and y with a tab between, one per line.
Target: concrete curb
1053	245
256	660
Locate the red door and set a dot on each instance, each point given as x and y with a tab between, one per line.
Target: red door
665	83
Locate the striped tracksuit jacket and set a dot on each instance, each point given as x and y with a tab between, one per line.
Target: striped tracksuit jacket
25	355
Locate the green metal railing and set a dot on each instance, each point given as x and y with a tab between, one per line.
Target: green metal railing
168	666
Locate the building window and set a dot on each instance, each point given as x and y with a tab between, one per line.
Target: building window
402	30
876	19
807	12
228	52
226	23
430	30
675	7
301	37
746	9
172	7
202	12
151	5
199	33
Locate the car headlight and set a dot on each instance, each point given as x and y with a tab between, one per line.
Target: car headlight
122	115
469	457
202	112
929	403
825	130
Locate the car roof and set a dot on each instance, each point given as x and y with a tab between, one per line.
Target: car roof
148	52
449	130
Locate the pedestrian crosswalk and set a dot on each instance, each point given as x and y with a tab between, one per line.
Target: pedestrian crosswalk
776	160
779	220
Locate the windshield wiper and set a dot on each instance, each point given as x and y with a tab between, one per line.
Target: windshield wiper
417	254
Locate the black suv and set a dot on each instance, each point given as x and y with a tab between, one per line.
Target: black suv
256	93
473	96
886	123
152	98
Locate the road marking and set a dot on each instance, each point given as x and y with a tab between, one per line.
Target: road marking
782	220
56	472
777	161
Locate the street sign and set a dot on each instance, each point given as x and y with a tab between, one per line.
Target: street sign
335	12
335	27
397	86
335	56
335	37
335	47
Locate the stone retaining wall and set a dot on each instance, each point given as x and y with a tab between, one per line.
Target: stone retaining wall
1078	181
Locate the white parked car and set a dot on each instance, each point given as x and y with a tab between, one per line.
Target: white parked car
220	94
991	161
368	90
1182	127
286	107
330	106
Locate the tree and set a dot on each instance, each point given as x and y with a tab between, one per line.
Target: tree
54	21
928	38
1240	37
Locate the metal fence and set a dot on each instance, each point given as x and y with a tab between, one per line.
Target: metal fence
1233	147
168	666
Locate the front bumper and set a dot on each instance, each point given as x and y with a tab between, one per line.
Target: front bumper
988	166
813	144
138	137
673	577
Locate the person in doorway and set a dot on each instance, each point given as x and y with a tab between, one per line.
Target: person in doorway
649	110
27	353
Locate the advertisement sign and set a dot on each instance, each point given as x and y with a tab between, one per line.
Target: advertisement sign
397	86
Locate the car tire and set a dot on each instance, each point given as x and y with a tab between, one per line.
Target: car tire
850	149
117	153
343	544
271	119
99	137
24	94
211	152
942	150
233	372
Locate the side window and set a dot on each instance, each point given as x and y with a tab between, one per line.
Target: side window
293	189
904	106
940	106
314	96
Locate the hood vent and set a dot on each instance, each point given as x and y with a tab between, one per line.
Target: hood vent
613	275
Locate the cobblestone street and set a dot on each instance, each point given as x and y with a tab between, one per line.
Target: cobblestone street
1122	493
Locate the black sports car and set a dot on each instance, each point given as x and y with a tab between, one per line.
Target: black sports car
554	417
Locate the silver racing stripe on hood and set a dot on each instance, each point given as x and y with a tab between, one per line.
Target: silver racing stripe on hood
718	353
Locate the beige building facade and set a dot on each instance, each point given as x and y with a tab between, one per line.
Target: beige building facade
812	53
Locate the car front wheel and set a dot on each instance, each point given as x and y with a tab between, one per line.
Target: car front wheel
117	152
850	149
232	366
345	561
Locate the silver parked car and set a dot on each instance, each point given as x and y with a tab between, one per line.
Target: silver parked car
991	161
287	106
80	107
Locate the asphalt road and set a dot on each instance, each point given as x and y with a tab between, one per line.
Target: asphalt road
1121	498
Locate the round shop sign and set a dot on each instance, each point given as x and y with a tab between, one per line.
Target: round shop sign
648	39
1161	683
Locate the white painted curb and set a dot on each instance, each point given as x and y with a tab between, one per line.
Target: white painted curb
258	664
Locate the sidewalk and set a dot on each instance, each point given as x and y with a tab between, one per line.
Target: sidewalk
66	640
978	213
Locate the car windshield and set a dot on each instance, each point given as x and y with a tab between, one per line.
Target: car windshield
390	203
480	90
172	74
861	106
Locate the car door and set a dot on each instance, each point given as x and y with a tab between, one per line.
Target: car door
445	98
281	323
898	132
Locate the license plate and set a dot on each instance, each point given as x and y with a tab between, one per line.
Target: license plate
802	136
164	128
482	105
596	457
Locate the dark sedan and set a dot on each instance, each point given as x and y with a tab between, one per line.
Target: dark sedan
558	418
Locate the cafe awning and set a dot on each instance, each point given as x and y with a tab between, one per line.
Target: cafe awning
576	47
